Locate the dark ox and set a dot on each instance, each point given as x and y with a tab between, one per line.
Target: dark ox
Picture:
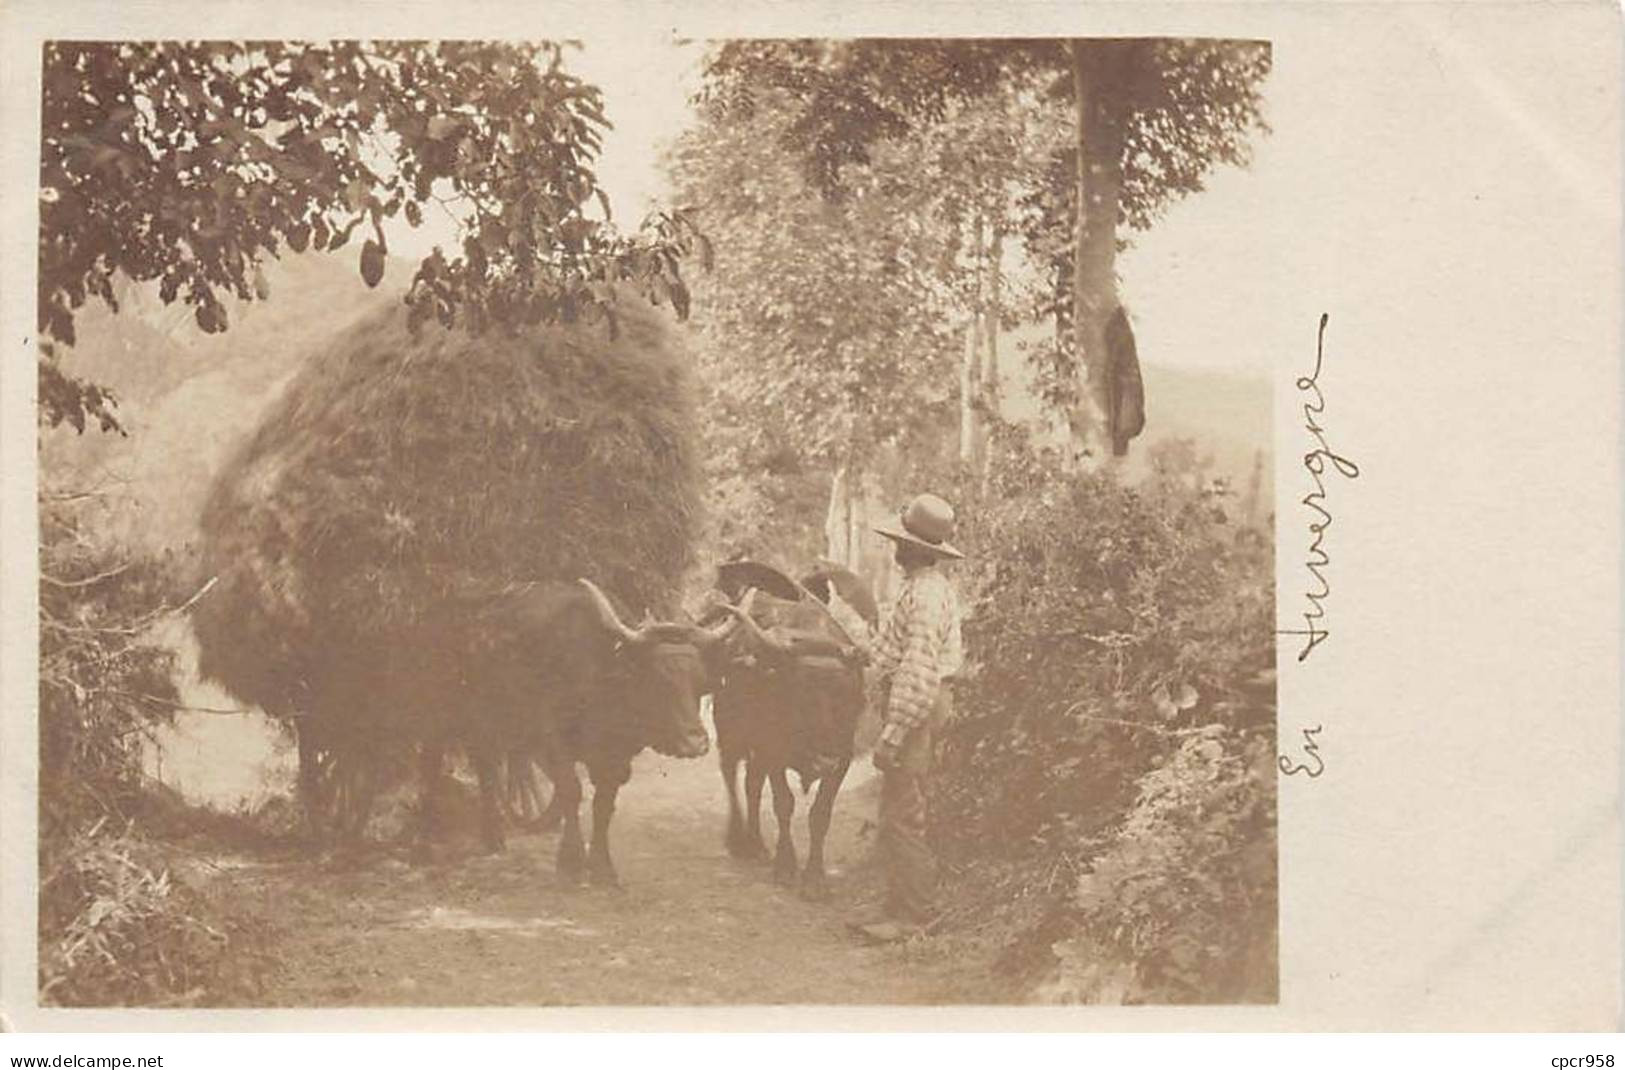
559	676
789	700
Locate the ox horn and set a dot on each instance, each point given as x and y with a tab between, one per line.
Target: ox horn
611	619
754	630
722	630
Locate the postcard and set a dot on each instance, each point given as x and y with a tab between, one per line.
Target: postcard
1048	517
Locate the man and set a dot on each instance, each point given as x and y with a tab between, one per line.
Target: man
918	651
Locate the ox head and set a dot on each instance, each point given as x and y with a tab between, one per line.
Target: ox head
811	672
665	672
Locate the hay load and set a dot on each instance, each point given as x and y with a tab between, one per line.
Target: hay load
400	480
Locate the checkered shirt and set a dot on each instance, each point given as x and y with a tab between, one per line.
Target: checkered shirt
919	647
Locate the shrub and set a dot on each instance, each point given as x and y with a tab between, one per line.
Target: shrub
1185	891
1117	635
116	924
119	927
104	684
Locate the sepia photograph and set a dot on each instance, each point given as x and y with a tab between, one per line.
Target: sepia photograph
736	527
827	518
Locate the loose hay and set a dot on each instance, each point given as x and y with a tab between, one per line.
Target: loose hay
399	480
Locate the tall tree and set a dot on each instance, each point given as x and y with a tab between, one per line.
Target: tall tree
828	325
190	163
1150	118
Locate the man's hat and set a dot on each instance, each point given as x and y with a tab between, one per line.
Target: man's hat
927	522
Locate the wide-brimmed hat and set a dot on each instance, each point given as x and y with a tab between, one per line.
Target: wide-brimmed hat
927	522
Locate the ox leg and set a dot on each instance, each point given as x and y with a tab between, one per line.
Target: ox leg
736	839
755	775
513	797
522	797
530	787
552	815
487	766
309	782
431	758
362	791
814	883
784	808
606	784
567	797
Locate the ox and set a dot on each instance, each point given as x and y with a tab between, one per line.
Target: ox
559	675
790	702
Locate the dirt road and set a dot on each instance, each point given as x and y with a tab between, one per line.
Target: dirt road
690	925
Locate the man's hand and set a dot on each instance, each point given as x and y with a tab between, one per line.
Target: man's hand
889	748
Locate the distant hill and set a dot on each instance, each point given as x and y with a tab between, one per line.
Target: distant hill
1228	416
187	397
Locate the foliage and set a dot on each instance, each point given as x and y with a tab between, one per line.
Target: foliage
1110	625
1185	889
831	326
1149	118
829	317
1189	103
104	684
189	163
852	94
115	924
120	927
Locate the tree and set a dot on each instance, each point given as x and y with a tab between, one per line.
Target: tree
827	322
981	156
190	163
1150	118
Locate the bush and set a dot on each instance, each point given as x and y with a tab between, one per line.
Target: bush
1185	891
104	684
116	924
119	927
1117	635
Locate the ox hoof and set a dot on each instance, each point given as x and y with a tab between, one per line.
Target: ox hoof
604	877
572	865
785	870
814	886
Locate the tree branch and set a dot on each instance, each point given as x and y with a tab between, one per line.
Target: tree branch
88	581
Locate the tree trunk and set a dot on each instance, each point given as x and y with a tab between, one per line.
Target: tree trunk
1098	67
990	370
992	315
854	510
855	513
967	388
837	519
970	370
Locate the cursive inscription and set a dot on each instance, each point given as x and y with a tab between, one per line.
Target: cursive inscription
1311	753
1317	462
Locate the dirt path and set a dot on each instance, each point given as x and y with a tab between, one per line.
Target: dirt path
690	926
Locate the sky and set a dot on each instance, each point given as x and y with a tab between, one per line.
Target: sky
648	80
